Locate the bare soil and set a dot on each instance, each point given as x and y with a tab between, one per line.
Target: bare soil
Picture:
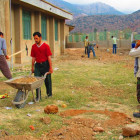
18	138
81	128
115	118
3	86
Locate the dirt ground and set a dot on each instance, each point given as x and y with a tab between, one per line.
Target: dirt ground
3	86
115	118
102	55
78	127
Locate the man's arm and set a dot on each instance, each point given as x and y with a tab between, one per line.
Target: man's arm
33	62
50	64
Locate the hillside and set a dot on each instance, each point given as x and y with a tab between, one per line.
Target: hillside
98	9
110	22
89	9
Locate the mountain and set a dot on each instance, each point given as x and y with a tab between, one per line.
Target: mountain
88	9
100	16
66	6
137	12
87	24
98	9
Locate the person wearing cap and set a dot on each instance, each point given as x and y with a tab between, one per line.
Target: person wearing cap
41	63
3	56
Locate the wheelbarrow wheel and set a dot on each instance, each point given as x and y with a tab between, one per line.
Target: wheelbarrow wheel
20	96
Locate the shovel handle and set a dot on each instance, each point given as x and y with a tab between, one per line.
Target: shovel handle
16	53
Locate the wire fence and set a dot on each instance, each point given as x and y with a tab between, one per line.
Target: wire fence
103	36
137	37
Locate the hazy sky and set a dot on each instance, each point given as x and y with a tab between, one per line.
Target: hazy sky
121	5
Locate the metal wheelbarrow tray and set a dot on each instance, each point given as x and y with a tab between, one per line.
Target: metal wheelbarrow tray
24	88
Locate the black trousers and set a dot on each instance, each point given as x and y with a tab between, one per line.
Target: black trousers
86	50
138	89
40	70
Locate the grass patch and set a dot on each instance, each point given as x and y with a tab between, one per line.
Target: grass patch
74	84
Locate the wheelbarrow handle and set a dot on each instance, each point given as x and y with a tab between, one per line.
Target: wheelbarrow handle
46	74
30	73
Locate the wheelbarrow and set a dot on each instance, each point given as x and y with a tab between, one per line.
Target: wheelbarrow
23	89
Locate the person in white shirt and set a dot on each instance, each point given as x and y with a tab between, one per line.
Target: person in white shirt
114	41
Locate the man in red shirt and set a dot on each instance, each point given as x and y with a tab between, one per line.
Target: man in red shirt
41	62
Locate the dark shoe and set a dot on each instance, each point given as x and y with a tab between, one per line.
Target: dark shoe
37	99
48	97
136	115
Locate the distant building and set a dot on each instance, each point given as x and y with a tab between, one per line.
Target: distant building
68	28
28	16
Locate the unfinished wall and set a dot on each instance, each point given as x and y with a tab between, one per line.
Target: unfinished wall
121	44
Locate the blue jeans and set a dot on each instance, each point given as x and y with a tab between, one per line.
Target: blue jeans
114	48
91	48
133	45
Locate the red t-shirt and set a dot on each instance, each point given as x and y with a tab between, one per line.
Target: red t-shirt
41	53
